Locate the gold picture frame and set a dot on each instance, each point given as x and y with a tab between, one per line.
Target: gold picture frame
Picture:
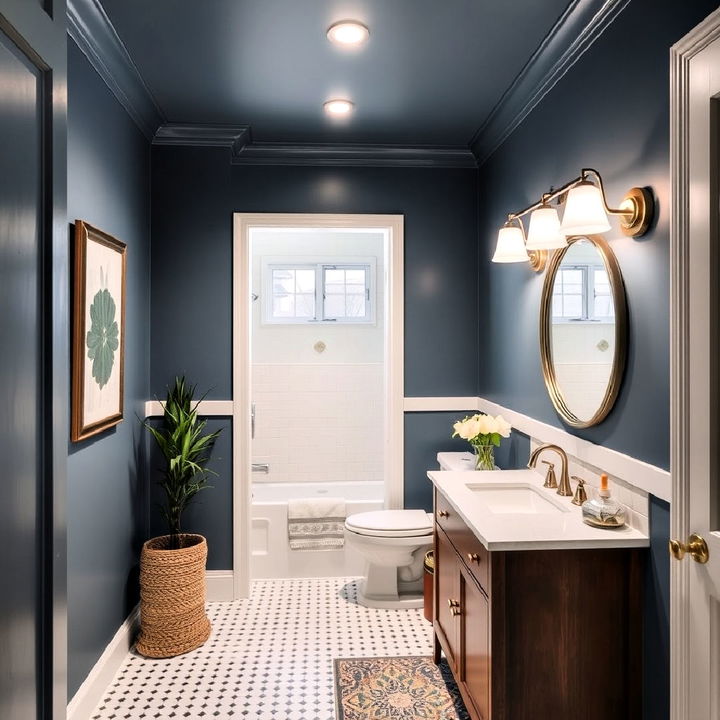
98	367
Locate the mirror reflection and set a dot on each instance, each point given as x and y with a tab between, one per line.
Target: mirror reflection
582	329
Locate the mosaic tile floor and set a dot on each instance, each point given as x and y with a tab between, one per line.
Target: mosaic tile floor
270	656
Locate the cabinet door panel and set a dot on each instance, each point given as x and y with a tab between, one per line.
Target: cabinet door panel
447	574
475	634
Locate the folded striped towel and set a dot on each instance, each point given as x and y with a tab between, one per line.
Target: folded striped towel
316	523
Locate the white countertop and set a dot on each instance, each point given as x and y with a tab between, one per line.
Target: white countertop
510	531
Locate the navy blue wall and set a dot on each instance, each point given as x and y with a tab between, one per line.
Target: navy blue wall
195	192
624	133
109	186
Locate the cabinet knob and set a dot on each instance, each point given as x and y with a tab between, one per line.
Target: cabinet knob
453	603
443	513
454	606
696	546
473	557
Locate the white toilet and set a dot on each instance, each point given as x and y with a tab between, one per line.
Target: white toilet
394	543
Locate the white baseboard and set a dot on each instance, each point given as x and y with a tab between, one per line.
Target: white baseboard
219	585
99	678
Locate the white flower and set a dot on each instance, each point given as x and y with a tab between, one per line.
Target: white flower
502	426
472	428
486	425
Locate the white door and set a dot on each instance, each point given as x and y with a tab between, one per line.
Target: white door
695	387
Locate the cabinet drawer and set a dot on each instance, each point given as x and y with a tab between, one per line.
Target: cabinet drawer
470	549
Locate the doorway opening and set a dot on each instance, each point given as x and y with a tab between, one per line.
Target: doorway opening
318	388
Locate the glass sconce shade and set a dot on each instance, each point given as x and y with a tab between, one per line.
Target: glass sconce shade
584	211
544	232
510	245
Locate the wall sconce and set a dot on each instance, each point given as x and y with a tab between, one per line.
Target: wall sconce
586	213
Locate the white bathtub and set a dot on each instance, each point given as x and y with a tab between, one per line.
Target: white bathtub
271	555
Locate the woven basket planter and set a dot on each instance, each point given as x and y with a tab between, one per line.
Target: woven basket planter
172	597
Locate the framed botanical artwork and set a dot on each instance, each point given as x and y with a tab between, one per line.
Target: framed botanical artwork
98	332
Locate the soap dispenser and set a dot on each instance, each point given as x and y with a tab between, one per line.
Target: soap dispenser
603	510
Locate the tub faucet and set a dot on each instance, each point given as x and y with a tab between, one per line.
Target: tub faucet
564	487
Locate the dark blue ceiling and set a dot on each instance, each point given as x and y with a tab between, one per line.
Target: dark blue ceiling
430	74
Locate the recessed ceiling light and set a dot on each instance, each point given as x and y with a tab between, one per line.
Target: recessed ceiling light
338	107
348	33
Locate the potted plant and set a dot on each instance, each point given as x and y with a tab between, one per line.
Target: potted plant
172	567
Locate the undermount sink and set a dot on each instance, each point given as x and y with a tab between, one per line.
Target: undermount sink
516	499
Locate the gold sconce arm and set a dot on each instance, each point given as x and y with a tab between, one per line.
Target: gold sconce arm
636	209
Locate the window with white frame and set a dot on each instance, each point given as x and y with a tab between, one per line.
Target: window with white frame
582	294
325	292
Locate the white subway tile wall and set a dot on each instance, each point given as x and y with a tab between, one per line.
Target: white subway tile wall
318	423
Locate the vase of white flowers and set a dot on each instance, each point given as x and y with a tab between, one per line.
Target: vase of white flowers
484	433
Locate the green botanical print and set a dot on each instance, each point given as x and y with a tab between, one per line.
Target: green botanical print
102	338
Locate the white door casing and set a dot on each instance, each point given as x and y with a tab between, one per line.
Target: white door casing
394	363
695	250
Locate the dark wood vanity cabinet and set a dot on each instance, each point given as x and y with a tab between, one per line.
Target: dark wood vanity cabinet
538	633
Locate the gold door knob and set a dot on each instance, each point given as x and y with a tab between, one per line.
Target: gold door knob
454	607
473	557
443	513
696	546
453	603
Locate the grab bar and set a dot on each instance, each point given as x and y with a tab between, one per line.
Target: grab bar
252	421
261	467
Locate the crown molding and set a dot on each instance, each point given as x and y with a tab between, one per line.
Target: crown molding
90	27
246	152
427	156
572	35
235	137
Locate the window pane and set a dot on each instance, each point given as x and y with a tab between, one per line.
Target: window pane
283	306
334	289
356	306
305	280
335	306
557	306
604	306
305	306
355	276
573	276
573	289
573	306
335	276
355	289
283	281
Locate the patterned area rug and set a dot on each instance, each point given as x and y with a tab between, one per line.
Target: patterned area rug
396	688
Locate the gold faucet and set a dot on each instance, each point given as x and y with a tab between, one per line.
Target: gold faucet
564	487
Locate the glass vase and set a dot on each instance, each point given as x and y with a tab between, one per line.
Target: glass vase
484	457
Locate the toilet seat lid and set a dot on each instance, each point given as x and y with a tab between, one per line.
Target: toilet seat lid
391	523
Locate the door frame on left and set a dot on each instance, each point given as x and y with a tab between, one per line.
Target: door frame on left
39	30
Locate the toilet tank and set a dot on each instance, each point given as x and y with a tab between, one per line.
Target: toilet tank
456	461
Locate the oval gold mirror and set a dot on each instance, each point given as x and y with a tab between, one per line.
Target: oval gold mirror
583	330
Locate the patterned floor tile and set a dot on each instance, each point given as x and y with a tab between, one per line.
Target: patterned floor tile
270	656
